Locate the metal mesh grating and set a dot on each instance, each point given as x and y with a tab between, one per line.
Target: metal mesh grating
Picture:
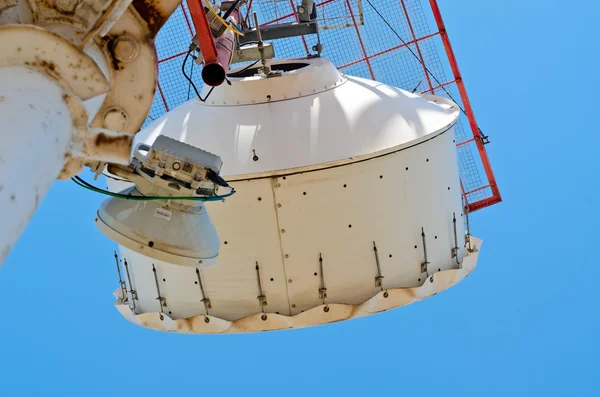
359	41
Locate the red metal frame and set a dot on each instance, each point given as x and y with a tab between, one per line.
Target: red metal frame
495	198
408	13
205	39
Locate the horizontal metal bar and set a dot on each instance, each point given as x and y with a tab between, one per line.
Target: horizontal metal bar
280	31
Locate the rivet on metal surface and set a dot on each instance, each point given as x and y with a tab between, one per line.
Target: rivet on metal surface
205	300
132	291
262	299
425	263
121	282
322	290
455	249
379	278
161	299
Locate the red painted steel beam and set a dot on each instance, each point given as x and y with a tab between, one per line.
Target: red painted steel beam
496	198
205	39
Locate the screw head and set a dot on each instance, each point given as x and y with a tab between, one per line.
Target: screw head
115	118
125	49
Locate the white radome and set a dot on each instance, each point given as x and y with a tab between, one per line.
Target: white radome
337	178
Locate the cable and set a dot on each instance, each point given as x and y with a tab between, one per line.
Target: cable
222	20
246	68
230	9
88	186
484	137
190	80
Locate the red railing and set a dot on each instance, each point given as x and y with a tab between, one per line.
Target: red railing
388	41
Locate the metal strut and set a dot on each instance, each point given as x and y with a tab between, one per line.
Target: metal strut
121	282
161	299
262	299
455	249
426	262
131	290
322	290
205	300
379	278
468	235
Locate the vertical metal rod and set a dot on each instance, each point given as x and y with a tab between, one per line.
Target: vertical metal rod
262	299
132	291
455	249
468	236
424	268
265	67
379	278
205	300
121	282
322	290
161	300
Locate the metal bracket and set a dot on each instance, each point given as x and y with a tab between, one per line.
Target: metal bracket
280	31
251	52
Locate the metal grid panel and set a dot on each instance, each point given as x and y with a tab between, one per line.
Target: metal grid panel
383	40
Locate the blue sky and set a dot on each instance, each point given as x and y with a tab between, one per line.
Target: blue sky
525	323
